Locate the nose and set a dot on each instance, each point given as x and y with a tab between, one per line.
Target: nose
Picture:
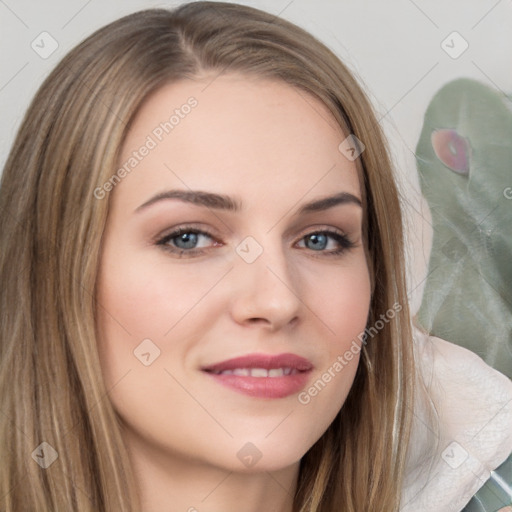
267	291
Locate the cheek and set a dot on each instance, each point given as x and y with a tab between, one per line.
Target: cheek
149	300
140	302
342	302
160	302
342	305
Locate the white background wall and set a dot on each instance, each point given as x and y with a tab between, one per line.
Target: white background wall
394	47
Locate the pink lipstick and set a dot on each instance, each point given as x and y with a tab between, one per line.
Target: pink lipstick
262	375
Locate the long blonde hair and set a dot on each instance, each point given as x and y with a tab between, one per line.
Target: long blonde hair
51	226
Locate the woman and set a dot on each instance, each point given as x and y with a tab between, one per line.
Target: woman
203	235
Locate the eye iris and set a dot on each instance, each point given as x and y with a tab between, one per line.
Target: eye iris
189	239
319	241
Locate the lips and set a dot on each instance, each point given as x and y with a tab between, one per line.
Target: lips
262	375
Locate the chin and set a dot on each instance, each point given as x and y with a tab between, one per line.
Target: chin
253	455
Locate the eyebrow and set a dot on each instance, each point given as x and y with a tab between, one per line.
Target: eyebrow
223	202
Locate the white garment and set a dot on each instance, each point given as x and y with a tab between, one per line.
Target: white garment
473	403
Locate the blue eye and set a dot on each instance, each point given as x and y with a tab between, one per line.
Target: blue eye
187	239
184	242
319	241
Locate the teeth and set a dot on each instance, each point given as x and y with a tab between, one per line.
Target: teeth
259	372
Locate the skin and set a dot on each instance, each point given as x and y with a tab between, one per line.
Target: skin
274	149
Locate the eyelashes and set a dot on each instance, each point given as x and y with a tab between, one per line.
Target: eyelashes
187	236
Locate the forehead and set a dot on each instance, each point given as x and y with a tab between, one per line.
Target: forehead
236	134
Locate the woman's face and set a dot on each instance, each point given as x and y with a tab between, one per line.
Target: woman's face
260	270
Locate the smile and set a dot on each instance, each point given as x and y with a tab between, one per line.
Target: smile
262	375
259	372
